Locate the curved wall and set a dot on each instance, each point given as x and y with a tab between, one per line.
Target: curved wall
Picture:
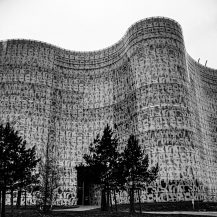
203	95
145	84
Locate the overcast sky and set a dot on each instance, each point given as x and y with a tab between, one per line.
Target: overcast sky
84	25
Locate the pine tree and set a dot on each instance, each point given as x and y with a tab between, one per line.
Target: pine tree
27	176
102	162
16	162
135	168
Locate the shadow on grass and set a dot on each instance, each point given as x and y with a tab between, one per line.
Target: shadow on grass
174	206
122	210
34	213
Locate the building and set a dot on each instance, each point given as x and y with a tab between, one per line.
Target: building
146	84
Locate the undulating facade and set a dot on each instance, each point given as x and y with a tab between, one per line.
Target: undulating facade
145	84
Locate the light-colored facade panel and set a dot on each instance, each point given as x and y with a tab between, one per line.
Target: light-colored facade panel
145	84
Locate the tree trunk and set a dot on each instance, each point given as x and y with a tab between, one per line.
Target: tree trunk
107	200
19	194
103	200
140	207
3	201
132	208
25	199
46	193
51	197
110	199
12	202
51	190
0	200
116	208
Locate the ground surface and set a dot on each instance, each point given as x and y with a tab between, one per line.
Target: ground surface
180	209
33	213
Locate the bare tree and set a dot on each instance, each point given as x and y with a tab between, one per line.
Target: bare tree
49	182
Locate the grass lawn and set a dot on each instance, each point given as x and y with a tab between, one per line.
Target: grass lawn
95	213
122	210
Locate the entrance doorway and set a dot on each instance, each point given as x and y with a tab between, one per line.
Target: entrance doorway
83	194
83	186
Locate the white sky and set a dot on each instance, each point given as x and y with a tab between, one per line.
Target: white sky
85	25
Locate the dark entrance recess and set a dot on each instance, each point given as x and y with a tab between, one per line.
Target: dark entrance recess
84	185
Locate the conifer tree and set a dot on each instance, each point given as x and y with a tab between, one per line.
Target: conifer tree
27	175
135	168
17	163
102	161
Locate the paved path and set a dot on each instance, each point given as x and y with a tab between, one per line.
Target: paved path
80	208
85	208
208	213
